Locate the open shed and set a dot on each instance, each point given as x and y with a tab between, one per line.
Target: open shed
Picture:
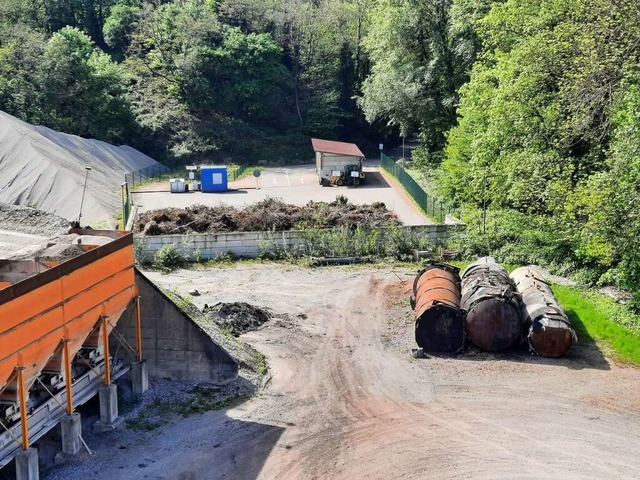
334	157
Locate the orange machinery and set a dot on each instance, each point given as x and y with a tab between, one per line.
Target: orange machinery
56	317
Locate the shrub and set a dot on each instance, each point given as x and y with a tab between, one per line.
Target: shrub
168	258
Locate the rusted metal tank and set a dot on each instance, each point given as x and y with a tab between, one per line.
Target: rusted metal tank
494	321
436	303
548	329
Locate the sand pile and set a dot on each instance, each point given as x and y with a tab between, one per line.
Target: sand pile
46	169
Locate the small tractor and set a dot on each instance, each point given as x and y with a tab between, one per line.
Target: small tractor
350	175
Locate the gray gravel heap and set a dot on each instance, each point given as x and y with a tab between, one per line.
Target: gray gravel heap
32	221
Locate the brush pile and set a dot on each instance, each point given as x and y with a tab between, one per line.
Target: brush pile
269	214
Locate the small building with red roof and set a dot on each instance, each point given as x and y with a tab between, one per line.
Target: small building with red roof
334	157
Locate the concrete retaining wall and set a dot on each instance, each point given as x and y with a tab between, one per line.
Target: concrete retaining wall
173	344
253	244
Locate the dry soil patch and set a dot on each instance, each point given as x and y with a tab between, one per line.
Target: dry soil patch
346	399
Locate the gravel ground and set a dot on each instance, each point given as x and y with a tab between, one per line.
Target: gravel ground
346	400
21	227
31	221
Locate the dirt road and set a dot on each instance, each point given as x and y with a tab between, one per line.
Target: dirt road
346	400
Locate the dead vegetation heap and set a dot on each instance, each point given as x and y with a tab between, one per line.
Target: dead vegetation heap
270	214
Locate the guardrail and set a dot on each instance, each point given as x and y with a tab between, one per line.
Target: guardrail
432	206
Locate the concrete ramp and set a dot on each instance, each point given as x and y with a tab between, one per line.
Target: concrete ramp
174	346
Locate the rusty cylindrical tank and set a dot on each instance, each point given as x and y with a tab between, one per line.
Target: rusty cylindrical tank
494	321
549	332
436	303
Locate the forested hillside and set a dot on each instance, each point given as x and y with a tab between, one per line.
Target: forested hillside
529	109
549	126
185	78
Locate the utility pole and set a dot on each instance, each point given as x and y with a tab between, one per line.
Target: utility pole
86	177
403	149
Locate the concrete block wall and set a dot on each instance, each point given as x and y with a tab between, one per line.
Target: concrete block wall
206	246
173	345
253	244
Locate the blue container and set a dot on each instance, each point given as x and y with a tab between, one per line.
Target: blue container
214	179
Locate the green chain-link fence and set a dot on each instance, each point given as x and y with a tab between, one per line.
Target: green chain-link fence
235	173
431	205
150	173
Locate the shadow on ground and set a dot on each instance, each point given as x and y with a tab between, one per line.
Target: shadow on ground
373	180
207	446
242	453
584	355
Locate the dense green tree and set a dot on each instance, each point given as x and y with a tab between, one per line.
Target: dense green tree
81	90
201	72
65	83
535	117
198	80
21	53
607	205
547	125
119	25
23	13
415	70
321	41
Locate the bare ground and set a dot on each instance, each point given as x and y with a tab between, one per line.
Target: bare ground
346	400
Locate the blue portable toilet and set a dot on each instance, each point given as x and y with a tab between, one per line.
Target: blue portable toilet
214	179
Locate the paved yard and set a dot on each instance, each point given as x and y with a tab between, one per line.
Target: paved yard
297	185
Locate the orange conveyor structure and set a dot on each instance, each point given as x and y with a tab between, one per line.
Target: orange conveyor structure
55	320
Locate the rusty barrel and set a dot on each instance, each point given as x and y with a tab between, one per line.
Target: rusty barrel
549	332
494	321
439	320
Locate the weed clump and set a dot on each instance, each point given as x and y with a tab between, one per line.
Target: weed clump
168	258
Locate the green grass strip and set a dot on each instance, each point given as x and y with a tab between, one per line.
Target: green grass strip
598	318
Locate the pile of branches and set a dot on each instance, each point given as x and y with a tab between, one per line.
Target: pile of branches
269	214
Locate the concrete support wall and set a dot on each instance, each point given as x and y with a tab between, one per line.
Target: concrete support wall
173	345
253	244
27	465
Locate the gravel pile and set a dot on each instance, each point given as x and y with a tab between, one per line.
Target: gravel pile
45	168
267	215
32	221
250	361
59	249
